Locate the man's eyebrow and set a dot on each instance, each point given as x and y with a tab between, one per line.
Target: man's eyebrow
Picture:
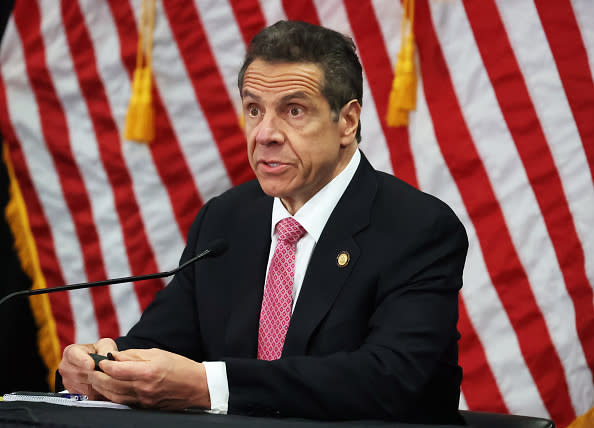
294	95
245	93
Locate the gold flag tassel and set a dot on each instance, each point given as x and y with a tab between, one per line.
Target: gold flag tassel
403	96
140	123
241	120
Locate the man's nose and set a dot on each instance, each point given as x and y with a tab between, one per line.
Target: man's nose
269	130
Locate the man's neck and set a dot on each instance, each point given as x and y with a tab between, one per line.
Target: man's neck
293	205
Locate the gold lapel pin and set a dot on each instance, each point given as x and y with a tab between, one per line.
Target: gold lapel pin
343	258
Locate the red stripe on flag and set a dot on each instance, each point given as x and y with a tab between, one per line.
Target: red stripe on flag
303	10
40	230
55	130
249	17
518	111
565	40
378	68
165	149
209	88
140	253
507	273
478	384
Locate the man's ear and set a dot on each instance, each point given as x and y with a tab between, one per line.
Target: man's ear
348	121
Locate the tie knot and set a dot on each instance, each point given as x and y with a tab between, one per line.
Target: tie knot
289	230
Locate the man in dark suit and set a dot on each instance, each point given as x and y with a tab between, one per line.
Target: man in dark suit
369	282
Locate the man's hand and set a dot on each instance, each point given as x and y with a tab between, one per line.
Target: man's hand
152	378
77	365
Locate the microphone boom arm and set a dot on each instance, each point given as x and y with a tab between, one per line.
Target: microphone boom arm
215	248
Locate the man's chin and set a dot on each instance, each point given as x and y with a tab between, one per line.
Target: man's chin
273	187
272	192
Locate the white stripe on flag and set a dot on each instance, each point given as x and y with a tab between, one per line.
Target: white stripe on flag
227	46
273	11
513	190
389	16
84	142
187	118
550	102
488	316
20	98
462	405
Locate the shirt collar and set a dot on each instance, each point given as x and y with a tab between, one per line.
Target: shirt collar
314	214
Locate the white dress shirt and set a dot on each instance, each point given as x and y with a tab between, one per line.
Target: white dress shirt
313	216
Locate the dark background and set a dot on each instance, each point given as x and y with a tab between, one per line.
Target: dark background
21	367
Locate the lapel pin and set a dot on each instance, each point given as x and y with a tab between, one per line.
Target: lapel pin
343	259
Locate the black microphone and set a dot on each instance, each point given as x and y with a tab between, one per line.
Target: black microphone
215	248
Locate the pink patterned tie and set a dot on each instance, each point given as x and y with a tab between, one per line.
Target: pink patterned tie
277	301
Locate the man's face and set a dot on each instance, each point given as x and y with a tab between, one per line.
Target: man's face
294	146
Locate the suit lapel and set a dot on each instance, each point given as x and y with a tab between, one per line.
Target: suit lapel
325	277
248	259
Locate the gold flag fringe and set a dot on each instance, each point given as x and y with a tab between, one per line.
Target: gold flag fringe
16	215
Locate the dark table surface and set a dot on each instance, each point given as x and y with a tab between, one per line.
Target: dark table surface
32	414
28	414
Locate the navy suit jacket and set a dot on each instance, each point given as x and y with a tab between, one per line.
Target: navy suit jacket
376	338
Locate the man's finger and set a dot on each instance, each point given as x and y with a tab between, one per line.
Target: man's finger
78	356
105	345
132	355
125	370
112	389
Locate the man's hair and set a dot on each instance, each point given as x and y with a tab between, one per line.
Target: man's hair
300	42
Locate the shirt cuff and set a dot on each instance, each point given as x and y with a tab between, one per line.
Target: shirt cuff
218	387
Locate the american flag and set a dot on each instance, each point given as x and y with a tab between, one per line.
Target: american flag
503	132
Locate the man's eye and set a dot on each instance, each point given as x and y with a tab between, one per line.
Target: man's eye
253	111
295	111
